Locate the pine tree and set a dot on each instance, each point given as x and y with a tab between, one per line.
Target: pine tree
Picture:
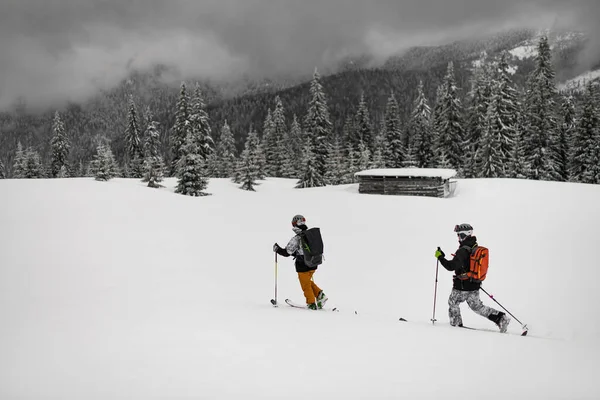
295	148
586	142
420	126
479	98
451	134
200	125
363	123
311	176
153	161
380	144
277	158
247	172
364	156
565	135
517	167
352	163
442	160
2	170
268	146
318	126
32	165
255	155
19	163
393	131
541	116
191	169
508	109
63	173
60	146
226	152
490	159
335	163
104	165
181	127
134	142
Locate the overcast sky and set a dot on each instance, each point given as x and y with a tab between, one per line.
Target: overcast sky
65	49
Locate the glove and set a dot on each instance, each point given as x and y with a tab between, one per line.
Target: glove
276	247
439	253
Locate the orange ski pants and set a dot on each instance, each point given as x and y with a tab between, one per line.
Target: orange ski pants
310	289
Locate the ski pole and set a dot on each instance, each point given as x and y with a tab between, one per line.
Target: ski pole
275	277
437	266
516	319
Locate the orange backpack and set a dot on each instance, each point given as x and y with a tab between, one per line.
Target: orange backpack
478	265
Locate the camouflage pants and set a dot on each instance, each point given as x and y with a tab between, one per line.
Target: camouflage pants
474	302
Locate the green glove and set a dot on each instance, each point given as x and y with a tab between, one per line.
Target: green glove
439	253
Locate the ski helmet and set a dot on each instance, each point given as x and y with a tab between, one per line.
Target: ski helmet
463	231
298	220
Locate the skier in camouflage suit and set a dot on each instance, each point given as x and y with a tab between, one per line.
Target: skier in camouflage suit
315	297
467	290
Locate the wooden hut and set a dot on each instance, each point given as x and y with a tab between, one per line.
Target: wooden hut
431	182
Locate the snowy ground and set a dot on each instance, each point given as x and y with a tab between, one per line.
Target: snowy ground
117	291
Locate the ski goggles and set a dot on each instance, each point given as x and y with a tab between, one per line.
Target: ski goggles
462	235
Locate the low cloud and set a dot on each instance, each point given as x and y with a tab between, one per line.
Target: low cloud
58	50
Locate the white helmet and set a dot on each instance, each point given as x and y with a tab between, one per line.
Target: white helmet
463	231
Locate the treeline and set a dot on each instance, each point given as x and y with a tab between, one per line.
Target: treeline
323	132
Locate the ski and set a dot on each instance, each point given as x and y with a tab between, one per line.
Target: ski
296	305
524	333
274	302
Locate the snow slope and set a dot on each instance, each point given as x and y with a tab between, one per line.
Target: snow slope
111	290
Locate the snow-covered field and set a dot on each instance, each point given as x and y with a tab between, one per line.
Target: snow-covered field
111	290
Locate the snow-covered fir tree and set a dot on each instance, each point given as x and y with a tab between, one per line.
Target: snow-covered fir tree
450	130
335	163
247	172
277	140
508	108
153	161
517	168
364	156
181	127
351	166
436	116
565	135
442	160
63	173
191	169
254	152
394	156
478	100
491	161
135	151
60	145
199	125
104	165
318	127
295	149
226	153
420	126
19	163
268	146
380	144
32	165
311	176
363	123
541	116
585	157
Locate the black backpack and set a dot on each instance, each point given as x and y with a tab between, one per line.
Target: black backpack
312	247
